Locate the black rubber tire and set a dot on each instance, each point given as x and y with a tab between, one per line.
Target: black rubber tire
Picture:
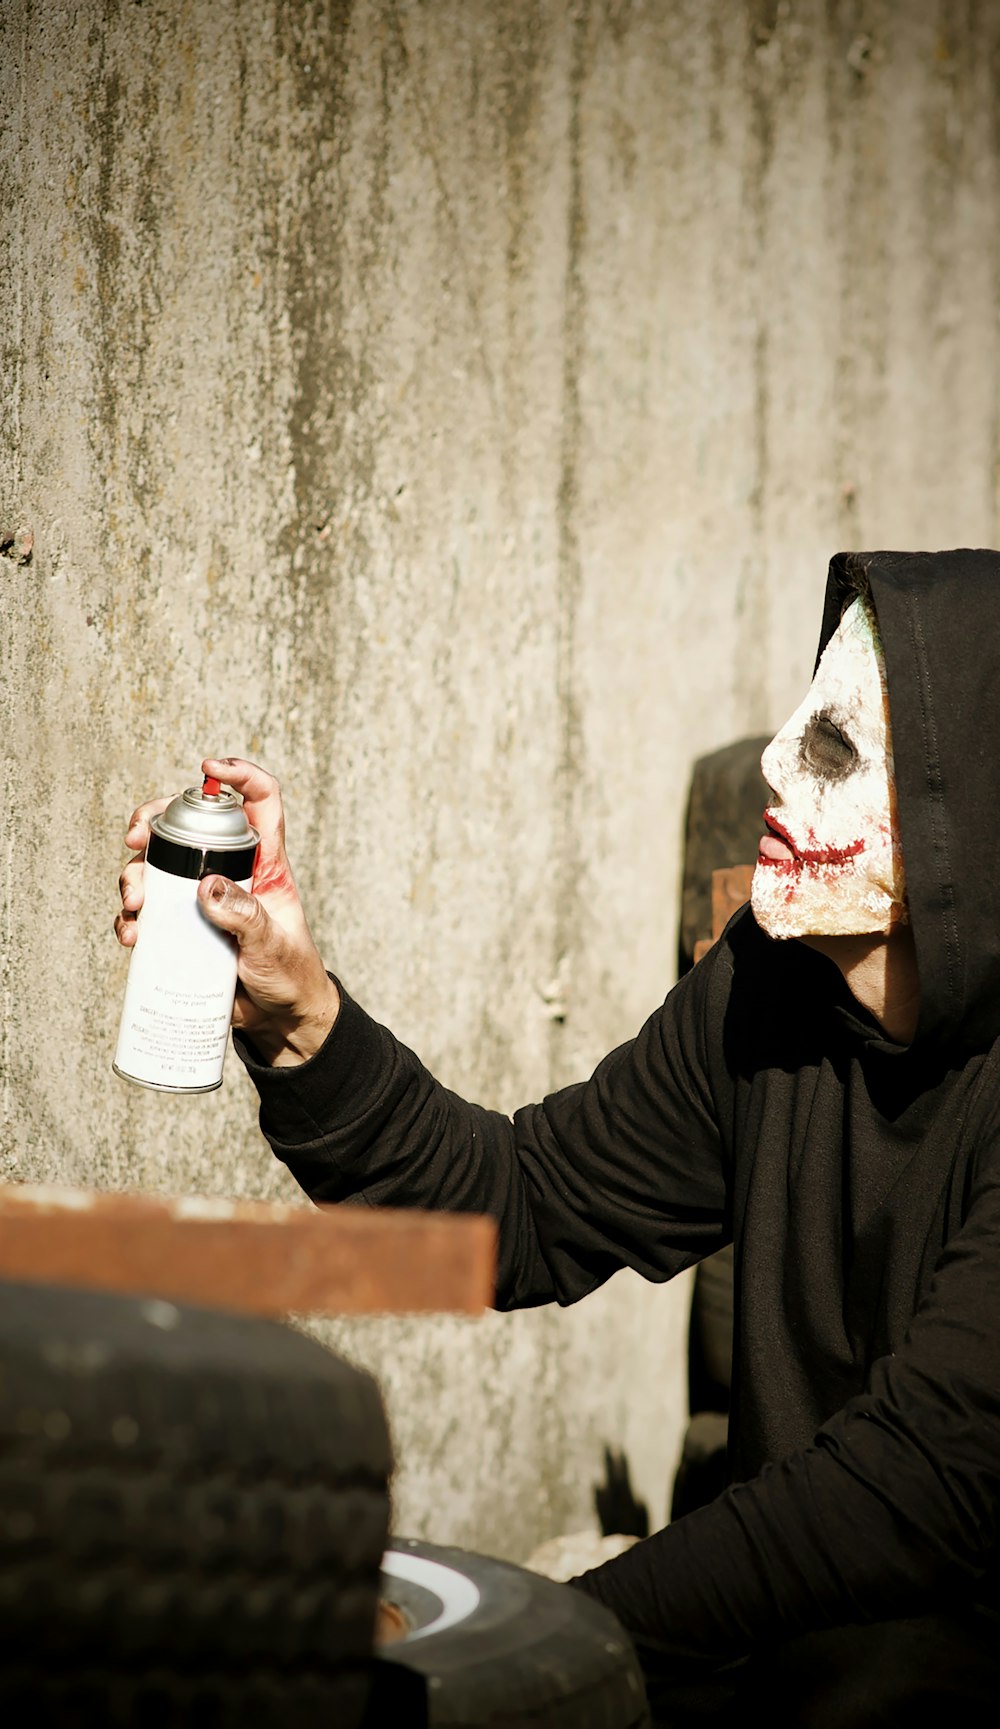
722	827
518	1651
193	1511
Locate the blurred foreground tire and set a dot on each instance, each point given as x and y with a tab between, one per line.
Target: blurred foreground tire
490	1643
193	1511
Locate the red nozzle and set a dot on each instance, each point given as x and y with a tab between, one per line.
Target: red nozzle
211	787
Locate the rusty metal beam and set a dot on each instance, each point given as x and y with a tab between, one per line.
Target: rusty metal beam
730	889
251	1256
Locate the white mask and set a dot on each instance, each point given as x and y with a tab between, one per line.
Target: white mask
831	863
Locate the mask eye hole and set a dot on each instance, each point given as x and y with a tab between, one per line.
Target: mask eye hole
826	750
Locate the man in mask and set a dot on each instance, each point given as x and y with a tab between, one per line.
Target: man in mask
823	1090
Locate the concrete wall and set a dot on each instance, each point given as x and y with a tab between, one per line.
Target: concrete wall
454	406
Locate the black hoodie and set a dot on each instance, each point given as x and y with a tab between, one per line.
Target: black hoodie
858	1178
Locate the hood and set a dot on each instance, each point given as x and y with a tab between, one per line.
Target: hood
939	622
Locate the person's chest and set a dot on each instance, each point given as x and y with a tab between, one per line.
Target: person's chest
848	1181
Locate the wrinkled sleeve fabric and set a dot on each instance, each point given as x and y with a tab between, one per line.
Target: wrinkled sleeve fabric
891	1512
626	1169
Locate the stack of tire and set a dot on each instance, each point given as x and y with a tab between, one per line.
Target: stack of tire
722	827
194	1516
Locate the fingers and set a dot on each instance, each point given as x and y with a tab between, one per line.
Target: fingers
130	889
137	833
247	778
231	909
277	954
259	790
222	901
262	799
287	997
256	787
126	929
130	879
130	885
262	803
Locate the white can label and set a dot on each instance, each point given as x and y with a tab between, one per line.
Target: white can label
180	990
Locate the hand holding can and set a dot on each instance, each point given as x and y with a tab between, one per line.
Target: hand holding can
284	1000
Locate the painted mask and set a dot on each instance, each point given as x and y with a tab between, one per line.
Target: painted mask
830	863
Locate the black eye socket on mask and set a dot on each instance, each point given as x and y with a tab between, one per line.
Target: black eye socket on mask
825	750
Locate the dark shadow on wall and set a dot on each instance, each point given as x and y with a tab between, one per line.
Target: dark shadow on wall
619	1510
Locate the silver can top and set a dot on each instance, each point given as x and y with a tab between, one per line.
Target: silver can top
203	818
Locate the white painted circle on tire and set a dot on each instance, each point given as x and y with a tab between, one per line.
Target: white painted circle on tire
457	1594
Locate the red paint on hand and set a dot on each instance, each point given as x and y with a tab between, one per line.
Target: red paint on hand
272	875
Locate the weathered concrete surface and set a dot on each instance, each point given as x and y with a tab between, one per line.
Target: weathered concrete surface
454	407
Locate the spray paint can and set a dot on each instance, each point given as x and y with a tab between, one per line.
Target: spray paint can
182	972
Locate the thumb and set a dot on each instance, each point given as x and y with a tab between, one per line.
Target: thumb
231	909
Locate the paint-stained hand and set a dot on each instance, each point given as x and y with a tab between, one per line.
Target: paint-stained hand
285	1002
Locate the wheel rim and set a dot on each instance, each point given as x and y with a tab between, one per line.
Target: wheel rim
456	1594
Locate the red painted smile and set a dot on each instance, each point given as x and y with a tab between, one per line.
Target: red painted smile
778	849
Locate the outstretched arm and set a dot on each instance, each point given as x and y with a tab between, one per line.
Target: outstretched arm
622	1170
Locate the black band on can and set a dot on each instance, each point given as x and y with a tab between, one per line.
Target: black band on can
197	862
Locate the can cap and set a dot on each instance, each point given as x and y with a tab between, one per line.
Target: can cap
204	818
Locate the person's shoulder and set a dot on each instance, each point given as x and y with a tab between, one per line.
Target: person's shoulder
750	950
773	997
750	980
742	951
745	951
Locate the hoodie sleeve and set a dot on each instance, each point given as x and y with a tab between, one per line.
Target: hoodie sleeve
625	1169
891	1511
